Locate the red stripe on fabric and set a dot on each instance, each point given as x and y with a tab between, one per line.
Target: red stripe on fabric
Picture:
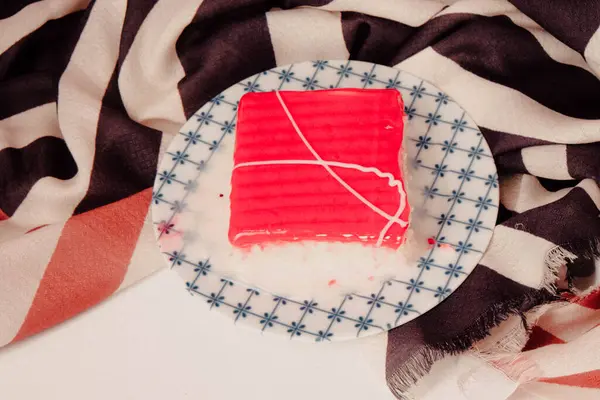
590	379
568	296
592	300
36	228
540	338
3	216
89	263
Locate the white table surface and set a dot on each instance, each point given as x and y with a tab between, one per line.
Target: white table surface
154	341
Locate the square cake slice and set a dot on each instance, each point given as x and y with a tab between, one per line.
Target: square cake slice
320	166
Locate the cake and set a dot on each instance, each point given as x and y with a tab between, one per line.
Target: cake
319	166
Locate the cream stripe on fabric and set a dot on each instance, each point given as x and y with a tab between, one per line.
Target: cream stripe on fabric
556	49
523	192
21	129
408	12
592	52
498	107
24	261
518	255
31	17
57	197
151	70
559	321
547	161
552	362
298	35
463	377
81	89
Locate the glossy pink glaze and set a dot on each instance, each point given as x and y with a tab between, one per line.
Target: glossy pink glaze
285	203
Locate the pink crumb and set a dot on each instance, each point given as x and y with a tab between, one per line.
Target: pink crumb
331	282
431	240
445	246
371	278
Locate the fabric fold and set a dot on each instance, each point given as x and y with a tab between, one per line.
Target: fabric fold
88	89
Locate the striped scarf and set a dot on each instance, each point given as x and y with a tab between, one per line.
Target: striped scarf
92	92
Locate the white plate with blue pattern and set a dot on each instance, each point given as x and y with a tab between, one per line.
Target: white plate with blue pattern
458	190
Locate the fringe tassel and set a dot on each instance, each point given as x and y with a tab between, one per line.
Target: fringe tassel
515	367
556	258
507	341
400	380
505	353
582	260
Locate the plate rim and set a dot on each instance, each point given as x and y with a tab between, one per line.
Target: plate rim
173	259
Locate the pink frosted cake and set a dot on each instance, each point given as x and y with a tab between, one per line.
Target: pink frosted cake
319	166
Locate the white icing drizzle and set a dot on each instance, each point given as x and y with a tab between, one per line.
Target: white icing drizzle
392	181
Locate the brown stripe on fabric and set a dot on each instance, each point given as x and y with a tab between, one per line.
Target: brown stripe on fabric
573	22
571	222
496	49
126	151
373	39
552	185
388	42
11	7
585	264
583	161
481	292
493	48
485	299
510	163
21	168
31	68
226	42
136	13
502	142
504	214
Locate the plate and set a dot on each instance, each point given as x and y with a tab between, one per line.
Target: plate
455	185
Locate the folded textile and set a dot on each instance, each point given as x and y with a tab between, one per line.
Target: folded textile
92	92
551	356
544	147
